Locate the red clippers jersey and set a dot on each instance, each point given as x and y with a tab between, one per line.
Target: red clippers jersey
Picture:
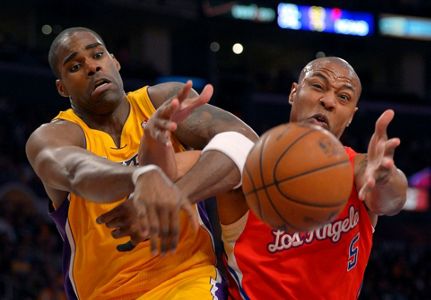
326	263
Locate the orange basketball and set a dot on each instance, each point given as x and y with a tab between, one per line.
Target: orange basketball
297	177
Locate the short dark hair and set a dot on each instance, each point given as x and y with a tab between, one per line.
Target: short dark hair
52	54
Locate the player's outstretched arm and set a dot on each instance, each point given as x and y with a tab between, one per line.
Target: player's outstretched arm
226	141
215	171
382	185
56	153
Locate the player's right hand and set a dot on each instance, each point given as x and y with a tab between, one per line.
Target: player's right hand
159	125
153	212
380	155
188	104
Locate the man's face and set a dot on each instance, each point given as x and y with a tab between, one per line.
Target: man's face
326	95
89	75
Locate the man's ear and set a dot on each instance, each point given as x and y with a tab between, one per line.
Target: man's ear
116	62
292	93
61	89
351	118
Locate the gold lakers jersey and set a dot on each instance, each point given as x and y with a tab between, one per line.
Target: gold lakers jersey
94	268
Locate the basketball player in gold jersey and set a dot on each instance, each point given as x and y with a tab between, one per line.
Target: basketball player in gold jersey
87	160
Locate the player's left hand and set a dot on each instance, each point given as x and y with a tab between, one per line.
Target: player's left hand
380	155
188	104
166	118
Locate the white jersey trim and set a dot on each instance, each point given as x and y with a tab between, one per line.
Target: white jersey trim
72	255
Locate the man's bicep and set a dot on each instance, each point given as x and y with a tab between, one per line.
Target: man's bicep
162	92
207	121
43	151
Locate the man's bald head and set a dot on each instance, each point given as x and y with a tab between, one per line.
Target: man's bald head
322	61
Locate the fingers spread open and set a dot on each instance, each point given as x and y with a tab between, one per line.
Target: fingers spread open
184	92
391	145
120	232
383	122
111	215
166	111
207	93
116	223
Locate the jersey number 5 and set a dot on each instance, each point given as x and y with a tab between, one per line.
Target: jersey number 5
353	253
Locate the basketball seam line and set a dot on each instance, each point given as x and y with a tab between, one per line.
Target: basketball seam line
274	208
264	187
288	148
313	170
261	175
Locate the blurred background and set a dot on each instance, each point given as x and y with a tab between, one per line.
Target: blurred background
251	51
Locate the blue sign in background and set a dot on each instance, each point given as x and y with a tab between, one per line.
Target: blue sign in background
322	19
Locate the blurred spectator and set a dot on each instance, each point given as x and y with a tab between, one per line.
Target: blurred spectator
30	256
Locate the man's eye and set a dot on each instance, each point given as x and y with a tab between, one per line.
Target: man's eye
98	55
344	98
317	86
75	68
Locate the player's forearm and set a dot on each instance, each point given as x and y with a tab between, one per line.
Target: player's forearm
153	152
92	177
214	173
389	197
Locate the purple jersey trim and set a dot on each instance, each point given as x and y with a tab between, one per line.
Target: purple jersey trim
60	218
221	285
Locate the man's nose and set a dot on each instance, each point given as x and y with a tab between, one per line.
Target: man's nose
93	68
328	101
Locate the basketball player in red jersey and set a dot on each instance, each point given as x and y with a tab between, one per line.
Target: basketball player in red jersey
329	262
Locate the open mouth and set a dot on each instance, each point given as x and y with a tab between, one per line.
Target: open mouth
100	82
321	120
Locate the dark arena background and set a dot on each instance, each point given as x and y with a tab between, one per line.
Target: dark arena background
251	51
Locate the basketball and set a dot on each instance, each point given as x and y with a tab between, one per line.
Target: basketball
297	177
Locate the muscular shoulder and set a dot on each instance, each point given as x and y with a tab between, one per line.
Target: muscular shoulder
159	93
55	134
62	131
40	149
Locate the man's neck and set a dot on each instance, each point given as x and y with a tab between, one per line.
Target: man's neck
112	123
